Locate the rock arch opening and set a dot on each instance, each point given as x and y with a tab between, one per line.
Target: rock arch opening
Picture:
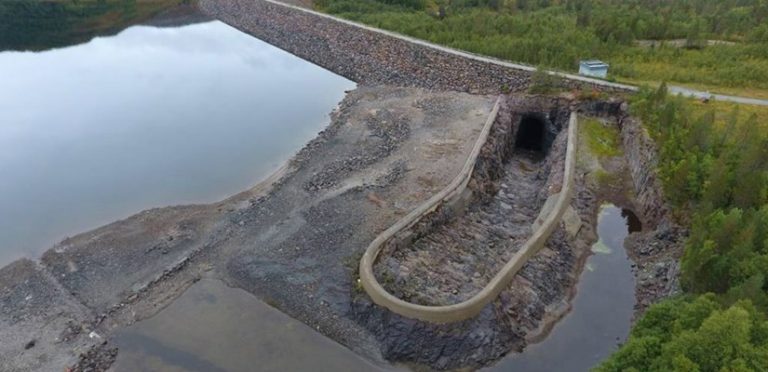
531	133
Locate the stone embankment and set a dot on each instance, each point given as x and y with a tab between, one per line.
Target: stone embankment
369	56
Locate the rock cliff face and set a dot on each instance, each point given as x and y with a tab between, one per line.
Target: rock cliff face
641	157
657	250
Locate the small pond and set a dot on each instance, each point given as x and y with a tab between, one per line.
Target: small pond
601	313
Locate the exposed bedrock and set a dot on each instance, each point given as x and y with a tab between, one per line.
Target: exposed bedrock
453	255
292	240
657	250
447	259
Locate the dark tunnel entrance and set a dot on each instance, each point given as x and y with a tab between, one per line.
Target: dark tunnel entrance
531	133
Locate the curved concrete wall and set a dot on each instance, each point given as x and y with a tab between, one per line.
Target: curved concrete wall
450	194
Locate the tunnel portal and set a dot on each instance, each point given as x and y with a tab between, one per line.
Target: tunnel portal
531	133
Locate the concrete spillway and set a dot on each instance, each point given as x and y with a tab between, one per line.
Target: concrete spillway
458	258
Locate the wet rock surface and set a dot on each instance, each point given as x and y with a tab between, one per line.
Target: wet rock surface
98	358
656	250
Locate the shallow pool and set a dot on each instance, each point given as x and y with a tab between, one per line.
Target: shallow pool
601	313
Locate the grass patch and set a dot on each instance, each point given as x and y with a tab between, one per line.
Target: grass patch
605	179
602	138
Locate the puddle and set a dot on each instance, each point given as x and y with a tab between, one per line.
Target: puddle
602	308
212	328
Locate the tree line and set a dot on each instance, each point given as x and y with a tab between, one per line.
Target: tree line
715	175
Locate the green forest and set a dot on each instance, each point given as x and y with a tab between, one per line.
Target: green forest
708	44
715	175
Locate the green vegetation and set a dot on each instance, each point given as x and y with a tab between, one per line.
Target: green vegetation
602	139
543	82
39	25
559	33
712	166
695	334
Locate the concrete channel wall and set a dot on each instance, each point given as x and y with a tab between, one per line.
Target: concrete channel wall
371	56
453	194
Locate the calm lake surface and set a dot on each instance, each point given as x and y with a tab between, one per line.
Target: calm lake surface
601	312
146	118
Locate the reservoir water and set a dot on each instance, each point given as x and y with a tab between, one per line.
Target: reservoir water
149	117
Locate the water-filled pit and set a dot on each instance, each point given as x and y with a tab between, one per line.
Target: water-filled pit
601	311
